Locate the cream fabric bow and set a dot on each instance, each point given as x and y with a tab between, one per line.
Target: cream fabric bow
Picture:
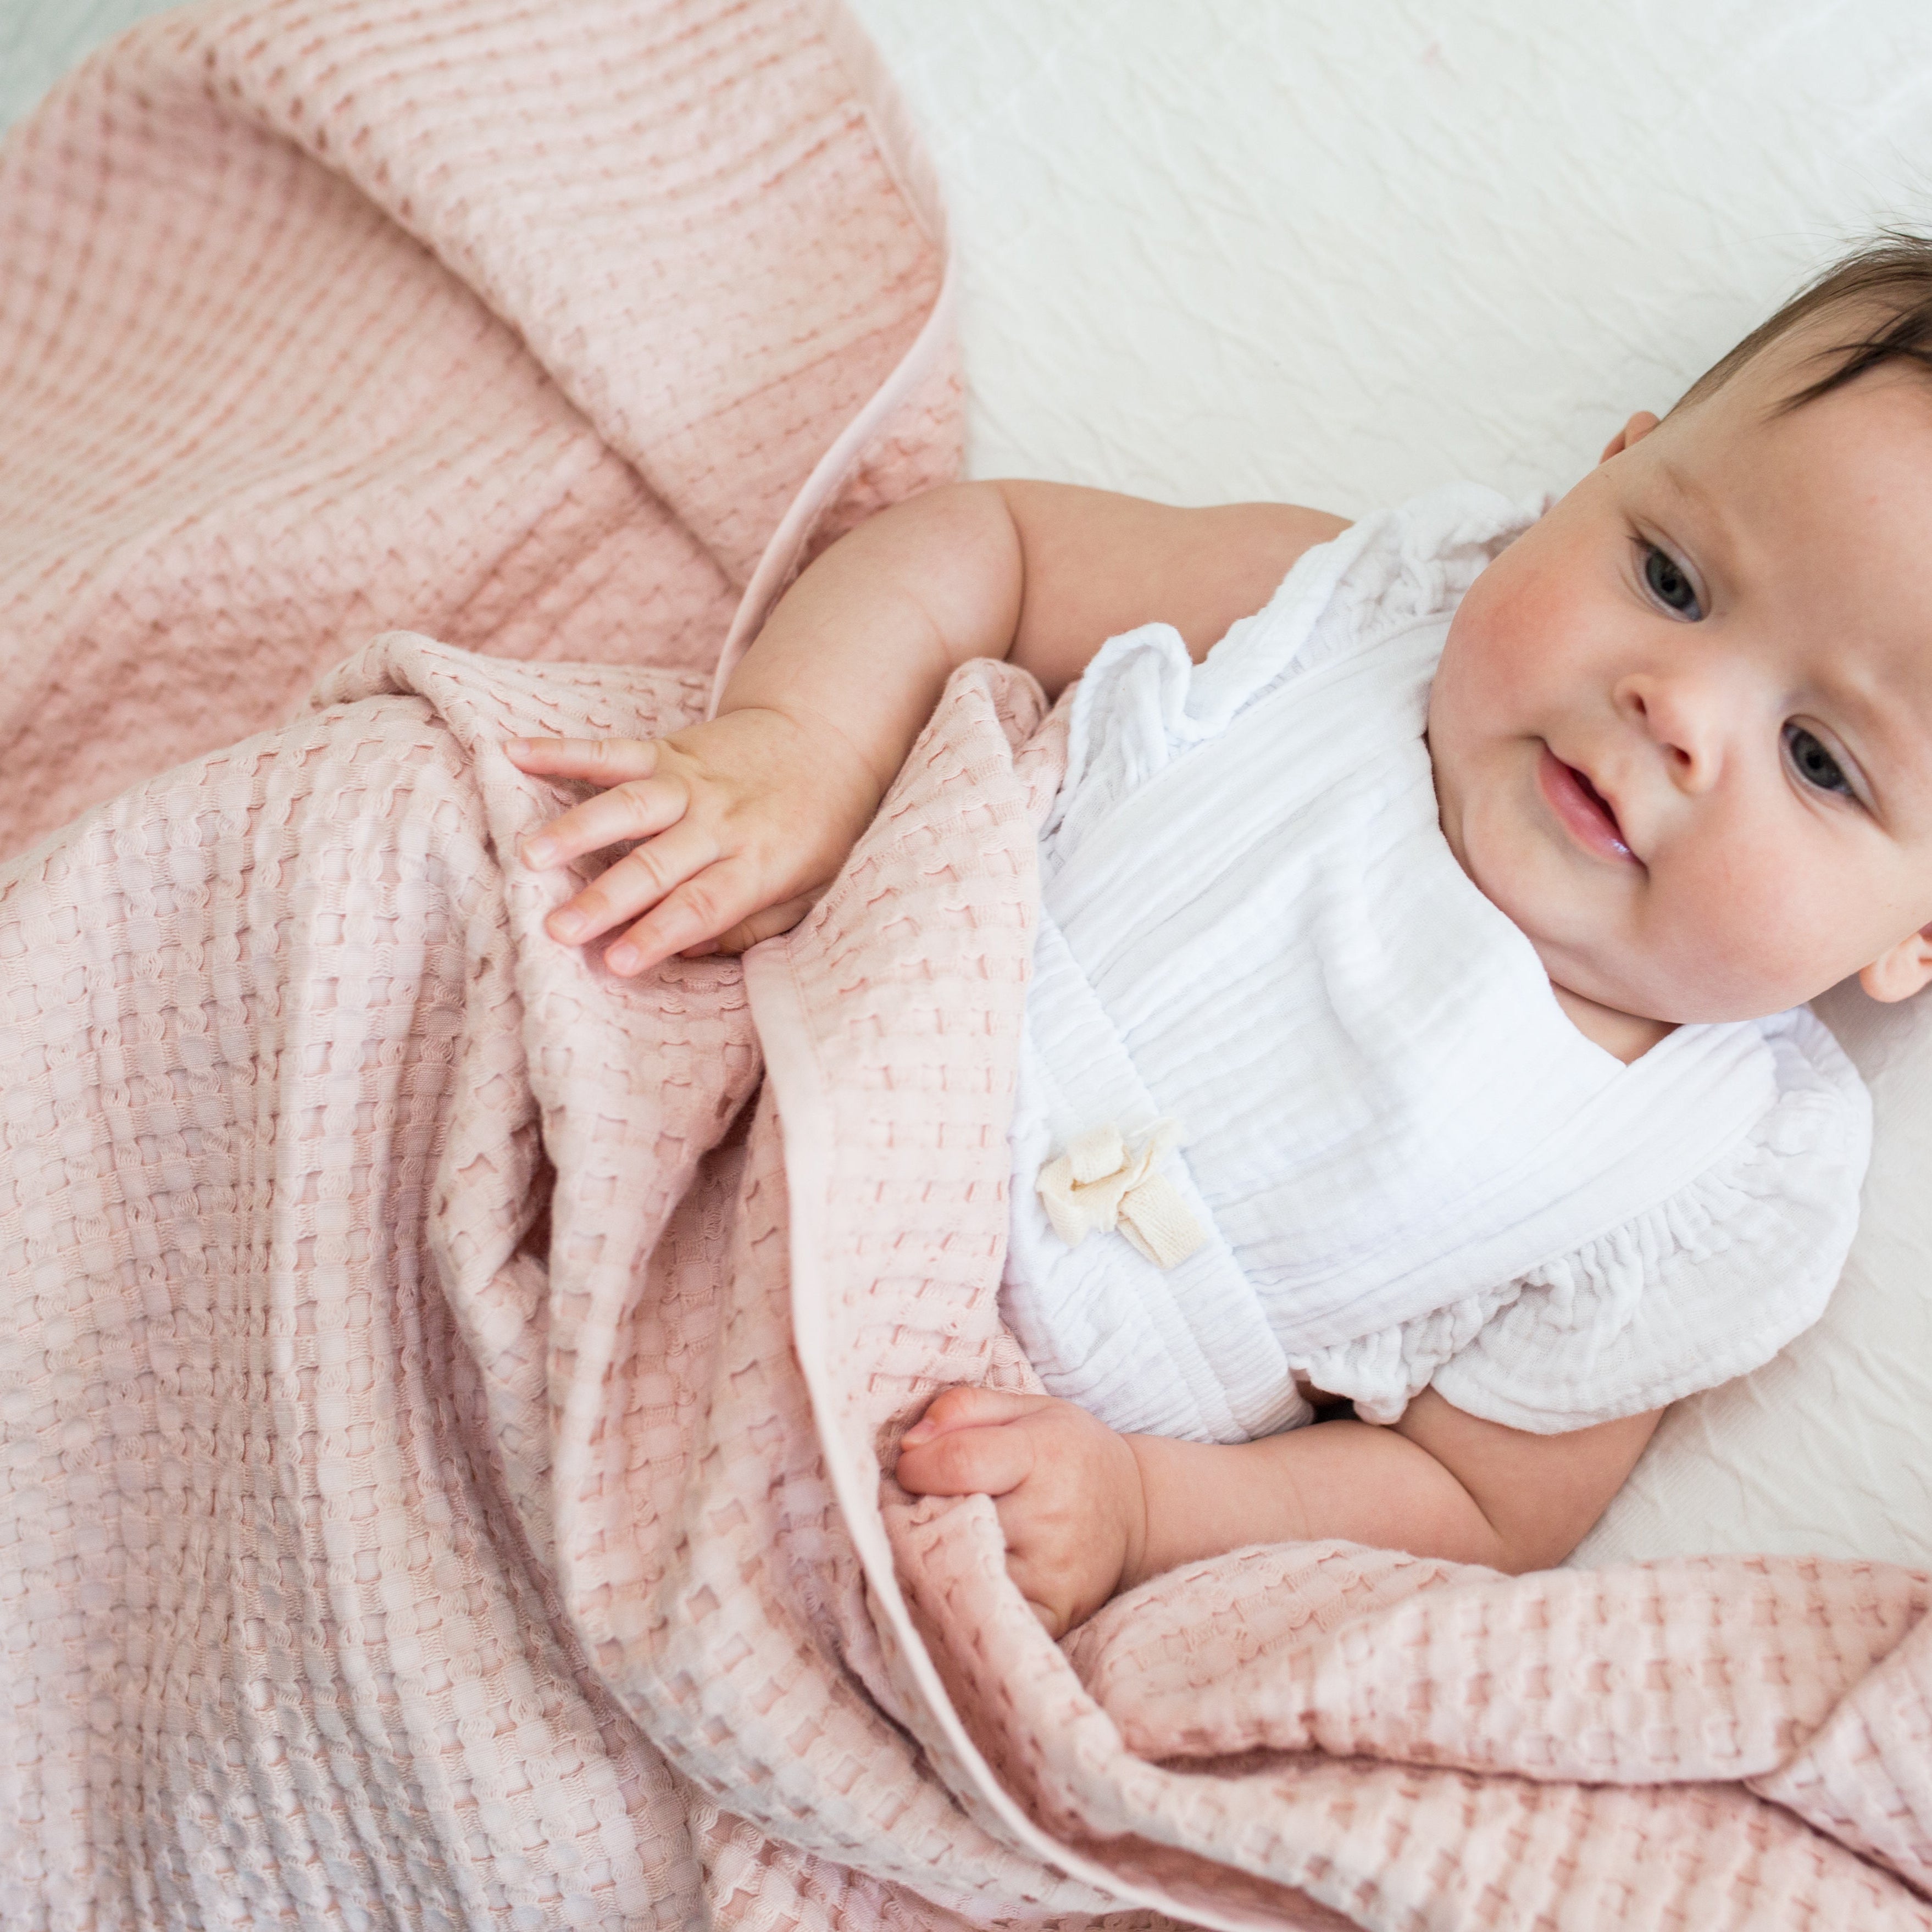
1097	1184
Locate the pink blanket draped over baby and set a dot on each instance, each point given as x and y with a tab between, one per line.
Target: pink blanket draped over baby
445	1391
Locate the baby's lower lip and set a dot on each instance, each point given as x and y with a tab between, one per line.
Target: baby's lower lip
1583	814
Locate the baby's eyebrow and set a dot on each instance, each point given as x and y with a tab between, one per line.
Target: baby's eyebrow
1706	512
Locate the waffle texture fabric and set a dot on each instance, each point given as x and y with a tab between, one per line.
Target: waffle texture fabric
444	1393
1411	1167
447	1395
551	329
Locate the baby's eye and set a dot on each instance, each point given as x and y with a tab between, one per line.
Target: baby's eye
1812	763
1668	584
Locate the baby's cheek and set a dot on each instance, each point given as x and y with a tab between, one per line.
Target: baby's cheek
1749	933
1507	639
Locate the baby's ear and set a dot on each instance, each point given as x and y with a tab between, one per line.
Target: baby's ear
1898	974
1639	426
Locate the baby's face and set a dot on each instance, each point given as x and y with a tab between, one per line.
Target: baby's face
1682	727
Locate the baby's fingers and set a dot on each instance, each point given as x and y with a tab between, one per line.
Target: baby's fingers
717	896
967	1463
639	879
603	761
967	1407
1046	1596
639	809
766	923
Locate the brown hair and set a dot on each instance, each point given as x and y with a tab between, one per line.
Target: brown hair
1891	275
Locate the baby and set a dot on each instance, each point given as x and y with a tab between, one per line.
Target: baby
1413	1022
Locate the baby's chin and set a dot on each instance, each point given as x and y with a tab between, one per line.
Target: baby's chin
1580	918
1715	997
1577	914
1619	981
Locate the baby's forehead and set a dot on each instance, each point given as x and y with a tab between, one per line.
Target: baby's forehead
1813	363
1818	469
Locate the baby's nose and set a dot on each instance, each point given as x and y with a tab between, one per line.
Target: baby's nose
1684	714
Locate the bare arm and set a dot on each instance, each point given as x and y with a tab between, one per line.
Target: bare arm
1440	1482
1042	573
747	819
1088	1513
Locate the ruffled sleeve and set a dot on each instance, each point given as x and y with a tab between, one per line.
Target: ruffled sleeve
1142	701
1706	1285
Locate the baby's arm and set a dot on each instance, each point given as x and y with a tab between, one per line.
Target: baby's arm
746	819
1088	1513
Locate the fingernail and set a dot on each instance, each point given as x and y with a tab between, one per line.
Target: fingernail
568	925
517	748
916	1435
538	852
620	959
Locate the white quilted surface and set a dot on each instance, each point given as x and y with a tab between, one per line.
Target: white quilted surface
1339	253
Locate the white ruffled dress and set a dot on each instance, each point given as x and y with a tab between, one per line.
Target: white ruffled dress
1409	1167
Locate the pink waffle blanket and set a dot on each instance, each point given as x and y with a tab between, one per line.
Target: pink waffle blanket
444	1393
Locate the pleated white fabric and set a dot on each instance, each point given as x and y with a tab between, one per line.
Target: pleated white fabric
1411	1166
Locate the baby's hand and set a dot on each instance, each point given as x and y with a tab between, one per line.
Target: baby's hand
1067	1488
744	822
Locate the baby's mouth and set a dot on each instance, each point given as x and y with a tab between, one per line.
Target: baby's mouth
1586	814
1596	798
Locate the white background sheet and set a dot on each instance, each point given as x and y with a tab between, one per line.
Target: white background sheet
1223	248
1216	248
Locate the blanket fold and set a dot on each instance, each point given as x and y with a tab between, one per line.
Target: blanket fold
534	327
446	1393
